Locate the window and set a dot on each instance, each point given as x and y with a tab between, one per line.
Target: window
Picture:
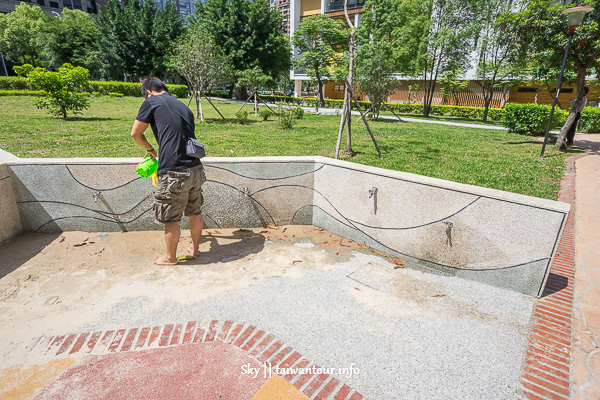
41	2
339	88
54	4
527	90
564	90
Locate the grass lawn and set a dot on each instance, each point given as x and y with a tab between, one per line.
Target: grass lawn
488	158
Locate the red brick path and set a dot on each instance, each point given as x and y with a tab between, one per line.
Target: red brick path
547	365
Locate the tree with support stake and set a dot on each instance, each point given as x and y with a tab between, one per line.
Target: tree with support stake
254	78
202	64
346	117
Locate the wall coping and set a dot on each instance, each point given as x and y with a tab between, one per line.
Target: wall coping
406	176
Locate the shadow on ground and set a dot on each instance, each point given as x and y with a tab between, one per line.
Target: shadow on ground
21	249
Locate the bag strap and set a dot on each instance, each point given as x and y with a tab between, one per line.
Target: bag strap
172	116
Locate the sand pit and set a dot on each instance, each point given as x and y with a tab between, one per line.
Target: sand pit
59	283
336	302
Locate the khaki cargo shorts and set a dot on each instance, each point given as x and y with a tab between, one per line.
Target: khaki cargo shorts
178	192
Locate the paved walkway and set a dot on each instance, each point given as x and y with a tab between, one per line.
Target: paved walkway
586	324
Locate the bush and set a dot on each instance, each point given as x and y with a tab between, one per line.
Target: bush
590	120
283	99
62	89
286	117
113	94
265	114
298	113
13	83
531	119
131	89
22	93
242	117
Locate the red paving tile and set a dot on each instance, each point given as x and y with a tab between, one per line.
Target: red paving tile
210	371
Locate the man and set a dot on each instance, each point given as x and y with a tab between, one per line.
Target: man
180	176
571	132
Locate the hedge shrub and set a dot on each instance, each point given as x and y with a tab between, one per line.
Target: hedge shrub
531	119
131	89
22	93
590	120
103	87
13	83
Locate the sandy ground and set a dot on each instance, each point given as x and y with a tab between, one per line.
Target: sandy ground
412	333
60	283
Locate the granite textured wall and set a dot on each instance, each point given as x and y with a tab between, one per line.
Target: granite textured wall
10	223
491	236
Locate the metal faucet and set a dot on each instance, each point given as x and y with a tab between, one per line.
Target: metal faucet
245	192
96	195
372	192
448	224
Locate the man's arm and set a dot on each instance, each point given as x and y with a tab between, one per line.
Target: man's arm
137	133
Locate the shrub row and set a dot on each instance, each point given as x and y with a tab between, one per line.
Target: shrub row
532	119
22	93
131	89
590	120
13	83
102	87
495	114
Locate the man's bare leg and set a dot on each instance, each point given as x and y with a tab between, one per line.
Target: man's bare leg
196	225
172	233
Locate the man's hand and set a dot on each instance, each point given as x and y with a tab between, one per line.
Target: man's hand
152	153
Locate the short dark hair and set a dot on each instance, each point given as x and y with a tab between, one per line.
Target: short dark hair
154	85
586	90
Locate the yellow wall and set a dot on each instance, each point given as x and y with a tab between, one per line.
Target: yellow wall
545	97
331	93
310	7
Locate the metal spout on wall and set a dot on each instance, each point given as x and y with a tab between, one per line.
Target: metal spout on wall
372	192
97	195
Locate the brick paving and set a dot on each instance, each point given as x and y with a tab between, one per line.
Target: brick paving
562	360
317	383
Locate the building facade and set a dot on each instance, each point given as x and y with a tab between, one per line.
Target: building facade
284	8
52	6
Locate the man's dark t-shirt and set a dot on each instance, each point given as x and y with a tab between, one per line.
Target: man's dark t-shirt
170	138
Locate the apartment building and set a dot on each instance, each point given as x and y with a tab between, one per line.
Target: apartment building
284	8
52	6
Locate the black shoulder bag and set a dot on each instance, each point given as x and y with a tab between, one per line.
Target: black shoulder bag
193	148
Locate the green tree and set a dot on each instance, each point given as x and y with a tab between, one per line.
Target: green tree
63	88
451	85
72	38
21	37
136	37
497	48
374	73
444	32
200	61
544	30
249	32
254	78
320	41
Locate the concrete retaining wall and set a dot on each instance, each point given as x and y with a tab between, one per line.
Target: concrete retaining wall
10	223
496	237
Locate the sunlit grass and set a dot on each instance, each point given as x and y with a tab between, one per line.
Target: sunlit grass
482	157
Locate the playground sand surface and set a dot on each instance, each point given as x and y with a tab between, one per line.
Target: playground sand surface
59	283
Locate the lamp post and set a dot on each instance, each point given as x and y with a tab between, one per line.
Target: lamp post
575	16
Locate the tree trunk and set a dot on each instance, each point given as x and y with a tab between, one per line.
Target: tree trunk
582	69
200	105
320	89
255	104
349	81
